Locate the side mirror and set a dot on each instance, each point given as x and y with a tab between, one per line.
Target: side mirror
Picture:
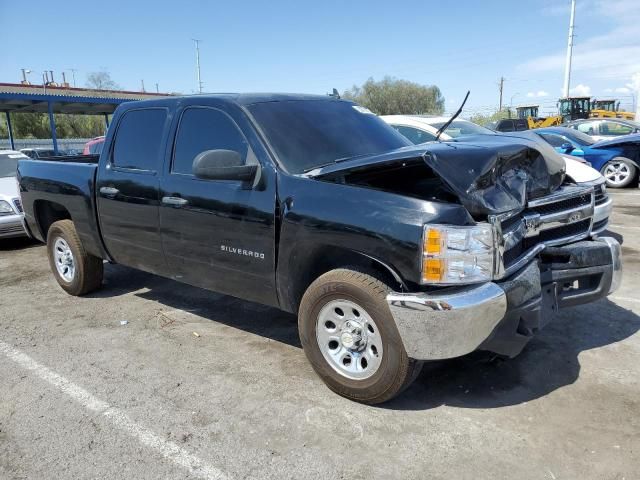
222	165
567	147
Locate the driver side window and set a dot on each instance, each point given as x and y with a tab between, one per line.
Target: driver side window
201	129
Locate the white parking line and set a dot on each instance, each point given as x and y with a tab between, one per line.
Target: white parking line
625	299
169	450
628	227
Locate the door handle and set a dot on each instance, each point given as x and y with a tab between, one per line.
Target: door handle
174	201
109	191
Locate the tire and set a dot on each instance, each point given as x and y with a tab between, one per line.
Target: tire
76	271
619	172
388	369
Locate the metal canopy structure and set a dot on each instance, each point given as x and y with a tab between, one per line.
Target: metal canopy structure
18	98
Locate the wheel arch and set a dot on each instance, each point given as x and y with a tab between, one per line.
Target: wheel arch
327	258
47	213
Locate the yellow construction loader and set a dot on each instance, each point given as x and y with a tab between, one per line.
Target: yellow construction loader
609	109
571	108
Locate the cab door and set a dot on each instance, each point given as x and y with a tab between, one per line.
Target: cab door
128	189
219	234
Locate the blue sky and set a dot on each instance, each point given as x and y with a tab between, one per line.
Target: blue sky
314	46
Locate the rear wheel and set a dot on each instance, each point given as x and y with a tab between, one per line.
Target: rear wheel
350	338
619	172
75	270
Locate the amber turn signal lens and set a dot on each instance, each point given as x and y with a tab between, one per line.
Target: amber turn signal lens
433	269
433	242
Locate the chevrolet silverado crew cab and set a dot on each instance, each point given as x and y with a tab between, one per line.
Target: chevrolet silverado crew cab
390	254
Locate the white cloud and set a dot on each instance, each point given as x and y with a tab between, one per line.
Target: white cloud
634	84
539	93
580	90
622	90
614	53
608	90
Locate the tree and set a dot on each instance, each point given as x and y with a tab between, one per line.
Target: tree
101	81
483	120
393	96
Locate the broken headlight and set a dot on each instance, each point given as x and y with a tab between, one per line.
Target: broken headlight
457	255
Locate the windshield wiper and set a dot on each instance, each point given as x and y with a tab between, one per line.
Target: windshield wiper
455	115
337	160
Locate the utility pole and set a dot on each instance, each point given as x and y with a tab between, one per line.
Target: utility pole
567	67
73	74
501	88
157	89
142	82
25	72
197	42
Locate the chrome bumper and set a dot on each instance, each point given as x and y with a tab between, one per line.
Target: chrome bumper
12	226
454	322
440	325
602	212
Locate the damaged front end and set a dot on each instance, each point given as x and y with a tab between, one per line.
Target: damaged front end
544	257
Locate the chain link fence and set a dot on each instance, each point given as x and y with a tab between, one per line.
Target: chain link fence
64	144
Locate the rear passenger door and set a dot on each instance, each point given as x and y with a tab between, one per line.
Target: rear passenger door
127	189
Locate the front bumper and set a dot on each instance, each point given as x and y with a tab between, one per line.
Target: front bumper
502	317
12	226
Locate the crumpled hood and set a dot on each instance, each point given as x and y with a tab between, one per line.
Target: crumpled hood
490	174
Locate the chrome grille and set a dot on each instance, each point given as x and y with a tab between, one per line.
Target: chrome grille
600	194
565	215
11	229
18	205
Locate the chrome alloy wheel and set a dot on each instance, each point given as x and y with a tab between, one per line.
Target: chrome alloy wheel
64	259
617	173
349	339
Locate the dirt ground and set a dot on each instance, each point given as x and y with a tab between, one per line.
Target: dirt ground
84	396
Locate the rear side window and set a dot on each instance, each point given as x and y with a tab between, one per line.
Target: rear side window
139	138
203	129
415	135
554	140
521	125
506	126
586	127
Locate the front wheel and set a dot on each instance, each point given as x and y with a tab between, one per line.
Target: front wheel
619	172
350	337
75	270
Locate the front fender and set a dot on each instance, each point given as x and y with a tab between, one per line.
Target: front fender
323	218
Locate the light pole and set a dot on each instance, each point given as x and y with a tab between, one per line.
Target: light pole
511	102
197	42
567	67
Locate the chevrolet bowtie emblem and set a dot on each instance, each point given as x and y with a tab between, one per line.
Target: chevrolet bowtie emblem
532	224
575	217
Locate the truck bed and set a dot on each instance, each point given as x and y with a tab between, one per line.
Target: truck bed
54	185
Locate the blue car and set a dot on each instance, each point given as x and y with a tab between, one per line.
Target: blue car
617	159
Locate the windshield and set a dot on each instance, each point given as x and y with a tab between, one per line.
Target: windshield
462	128
9	164
307	134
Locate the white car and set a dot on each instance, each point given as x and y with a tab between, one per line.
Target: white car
11	216
421	129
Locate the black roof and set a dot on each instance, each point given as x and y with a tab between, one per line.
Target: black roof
242	99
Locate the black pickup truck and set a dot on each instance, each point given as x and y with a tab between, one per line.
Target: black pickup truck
390	254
